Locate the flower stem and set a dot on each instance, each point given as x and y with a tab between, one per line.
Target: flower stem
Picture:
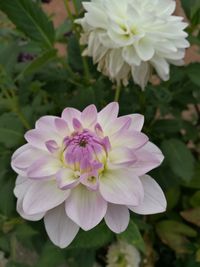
117	93
71	17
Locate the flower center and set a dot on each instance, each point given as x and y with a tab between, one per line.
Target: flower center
85	150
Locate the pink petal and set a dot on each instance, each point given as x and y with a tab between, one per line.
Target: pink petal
43	196
66	179
89	116
24	157
137	122
62	127
69	114
37	138
150	147
120	124
86	208
117	218
46	123
45	166
107	115
60	228
121	186
154	199
130	139
122	156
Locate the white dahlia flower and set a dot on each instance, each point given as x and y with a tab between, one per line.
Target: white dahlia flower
82	167
133	37
122	254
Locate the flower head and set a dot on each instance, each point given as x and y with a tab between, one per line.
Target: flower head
122	254
132	37
82	167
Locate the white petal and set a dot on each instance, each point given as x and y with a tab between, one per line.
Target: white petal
141	74
34	217
154	198
144	49
121	186
108	114
43	196
137	122
60	228
89	116
86	208
117	218
44	167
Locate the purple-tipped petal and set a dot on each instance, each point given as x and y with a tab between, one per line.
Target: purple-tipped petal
117	218
108	115
121	186
156	152
43	196
154	199
38	138
60	228
34	217
86	208
89	116
61	127
69	114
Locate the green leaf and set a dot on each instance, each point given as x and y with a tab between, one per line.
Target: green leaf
179	158
30	19
94	238
195	199
195	181
7	200
10	130
132	235
38	63
193	73
74	53
50	256
192	216
174	234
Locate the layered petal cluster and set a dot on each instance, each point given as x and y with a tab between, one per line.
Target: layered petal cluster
122	254
132	37
84	166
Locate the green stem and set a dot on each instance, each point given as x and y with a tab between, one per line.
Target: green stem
75	7
85	64
117	93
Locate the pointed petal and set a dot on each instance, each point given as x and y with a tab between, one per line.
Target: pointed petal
69	114
121	186
60	228
43	196
117	218
137	122
86	208
154	199
108	114
89	116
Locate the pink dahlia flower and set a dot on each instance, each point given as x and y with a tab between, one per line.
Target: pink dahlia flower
83	167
